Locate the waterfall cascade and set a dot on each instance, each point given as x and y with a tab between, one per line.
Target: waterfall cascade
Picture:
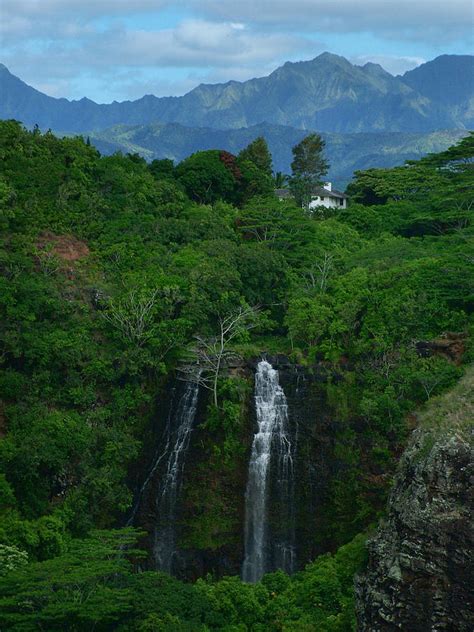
270	480
169	464
178	431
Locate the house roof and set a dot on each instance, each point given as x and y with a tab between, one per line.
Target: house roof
283	193
286	193
326	193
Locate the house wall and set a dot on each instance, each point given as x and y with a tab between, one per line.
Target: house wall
328	202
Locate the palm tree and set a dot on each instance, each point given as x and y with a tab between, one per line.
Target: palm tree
280	180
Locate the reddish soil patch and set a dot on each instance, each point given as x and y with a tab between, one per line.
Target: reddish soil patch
450	346
66	247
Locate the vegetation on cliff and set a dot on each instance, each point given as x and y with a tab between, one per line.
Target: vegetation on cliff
110	267
419	562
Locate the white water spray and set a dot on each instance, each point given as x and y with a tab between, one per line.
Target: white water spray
271	443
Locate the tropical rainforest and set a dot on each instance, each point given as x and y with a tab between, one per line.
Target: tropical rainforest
110	269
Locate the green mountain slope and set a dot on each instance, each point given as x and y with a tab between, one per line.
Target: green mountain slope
327	93
346	152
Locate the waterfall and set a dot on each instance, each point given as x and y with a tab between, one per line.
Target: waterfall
158	459
270	482
179	429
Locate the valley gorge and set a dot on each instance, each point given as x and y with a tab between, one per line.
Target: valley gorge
418	576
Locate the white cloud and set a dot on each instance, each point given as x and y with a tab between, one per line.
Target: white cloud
428	20
197	43
422	19
48	9
193	44
54	19
119	47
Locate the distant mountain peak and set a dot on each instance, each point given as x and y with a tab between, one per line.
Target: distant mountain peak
324	58
331	57
327	93
447	79
373	66
376	70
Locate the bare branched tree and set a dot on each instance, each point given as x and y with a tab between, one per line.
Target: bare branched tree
318	274
429	383
209	355
384	363
132	315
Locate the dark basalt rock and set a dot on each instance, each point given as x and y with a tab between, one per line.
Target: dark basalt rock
420	570
313	429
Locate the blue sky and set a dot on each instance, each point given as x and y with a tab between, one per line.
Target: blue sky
121	49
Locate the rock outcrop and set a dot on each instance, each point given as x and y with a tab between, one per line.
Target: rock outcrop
420	569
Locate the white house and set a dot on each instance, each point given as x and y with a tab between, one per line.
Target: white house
325	196
328	197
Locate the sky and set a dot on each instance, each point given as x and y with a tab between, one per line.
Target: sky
111	50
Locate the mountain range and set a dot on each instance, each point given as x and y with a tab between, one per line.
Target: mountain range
327	93
368	117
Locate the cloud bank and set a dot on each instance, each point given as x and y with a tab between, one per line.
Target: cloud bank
108	49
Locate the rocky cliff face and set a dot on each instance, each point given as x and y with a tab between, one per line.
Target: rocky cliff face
420	570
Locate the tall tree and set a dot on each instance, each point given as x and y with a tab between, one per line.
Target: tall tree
162	169
258	153
308	168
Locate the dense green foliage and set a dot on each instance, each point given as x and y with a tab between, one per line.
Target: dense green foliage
208	176
93	587
109	267
345	152
259	154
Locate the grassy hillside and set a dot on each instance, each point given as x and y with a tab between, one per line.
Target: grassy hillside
452	412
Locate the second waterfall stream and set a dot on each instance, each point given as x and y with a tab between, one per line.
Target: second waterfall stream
269	545
166	502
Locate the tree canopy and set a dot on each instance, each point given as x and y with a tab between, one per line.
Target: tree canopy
258	153
110	269
308	168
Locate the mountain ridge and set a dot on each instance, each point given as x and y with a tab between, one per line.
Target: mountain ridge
327	93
